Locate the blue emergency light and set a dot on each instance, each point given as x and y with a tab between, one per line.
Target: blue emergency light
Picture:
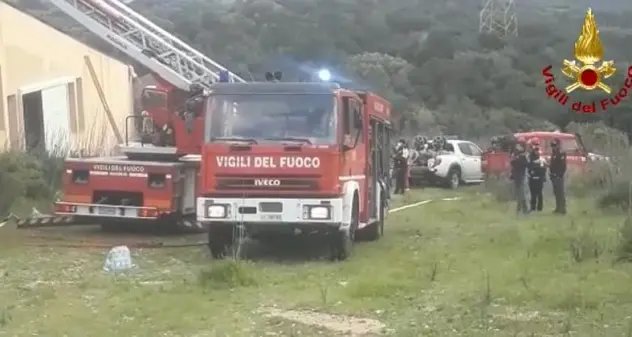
324	75
224	76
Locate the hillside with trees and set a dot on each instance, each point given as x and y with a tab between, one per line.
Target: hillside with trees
426	56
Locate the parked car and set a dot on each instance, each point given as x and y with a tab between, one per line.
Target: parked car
456	162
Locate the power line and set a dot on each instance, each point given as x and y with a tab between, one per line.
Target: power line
498	17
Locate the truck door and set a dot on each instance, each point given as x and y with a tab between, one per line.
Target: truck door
468	162
477	167
372	172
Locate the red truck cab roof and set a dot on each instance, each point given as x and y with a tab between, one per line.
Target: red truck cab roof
569	142
496	160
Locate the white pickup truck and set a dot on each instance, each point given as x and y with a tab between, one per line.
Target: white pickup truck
458	162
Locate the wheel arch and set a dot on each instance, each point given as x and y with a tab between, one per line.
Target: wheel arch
351	192
455	166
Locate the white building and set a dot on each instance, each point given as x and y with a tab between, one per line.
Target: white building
47	94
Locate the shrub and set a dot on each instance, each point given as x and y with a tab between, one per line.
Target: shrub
608	179
28	176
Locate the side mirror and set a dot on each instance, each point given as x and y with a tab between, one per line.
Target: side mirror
348	143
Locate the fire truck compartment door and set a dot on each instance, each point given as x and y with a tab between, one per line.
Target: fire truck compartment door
188	199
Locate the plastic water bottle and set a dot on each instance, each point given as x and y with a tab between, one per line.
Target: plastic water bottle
118	259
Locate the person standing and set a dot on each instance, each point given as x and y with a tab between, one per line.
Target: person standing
537	176
413	159
409	162
401	167
557	171
519	163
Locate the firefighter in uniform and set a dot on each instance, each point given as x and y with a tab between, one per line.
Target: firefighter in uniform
557	170
401	167
519	163
537	175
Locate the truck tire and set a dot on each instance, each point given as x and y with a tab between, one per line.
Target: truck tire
341	242
453	180
375	231
220	239
341	245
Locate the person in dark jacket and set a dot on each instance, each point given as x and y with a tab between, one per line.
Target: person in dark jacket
557	170
519	163
536	172
401	167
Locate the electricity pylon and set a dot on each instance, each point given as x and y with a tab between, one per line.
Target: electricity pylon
498	17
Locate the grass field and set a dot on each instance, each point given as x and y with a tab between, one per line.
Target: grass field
447	268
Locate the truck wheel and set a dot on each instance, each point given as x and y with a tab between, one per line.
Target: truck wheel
341	243
376	230
454	178
220	238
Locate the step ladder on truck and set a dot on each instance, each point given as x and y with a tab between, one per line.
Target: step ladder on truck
155	181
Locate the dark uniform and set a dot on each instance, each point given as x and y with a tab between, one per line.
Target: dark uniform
557	171
519	163
537	177
401	167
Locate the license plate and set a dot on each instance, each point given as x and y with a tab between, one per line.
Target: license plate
271	217
106	211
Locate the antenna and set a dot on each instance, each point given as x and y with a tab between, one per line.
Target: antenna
498	17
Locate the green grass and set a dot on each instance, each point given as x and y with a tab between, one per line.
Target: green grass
451	268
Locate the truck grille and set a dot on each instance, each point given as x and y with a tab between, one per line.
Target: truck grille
278	184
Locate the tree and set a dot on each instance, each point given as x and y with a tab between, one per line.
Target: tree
427	57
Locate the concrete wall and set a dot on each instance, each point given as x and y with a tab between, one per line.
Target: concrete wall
35	56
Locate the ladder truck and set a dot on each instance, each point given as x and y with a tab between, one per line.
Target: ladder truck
155	181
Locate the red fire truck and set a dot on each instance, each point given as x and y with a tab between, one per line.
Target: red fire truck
495	160
295	158
155	182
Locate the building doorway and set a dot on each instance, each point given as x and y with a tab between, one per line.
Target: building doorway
46	116
34	134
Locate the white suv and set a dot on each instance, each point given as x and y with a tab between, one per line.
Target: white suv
459	161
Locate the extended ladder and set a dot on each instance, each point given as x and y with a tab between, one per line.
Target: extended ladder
161	52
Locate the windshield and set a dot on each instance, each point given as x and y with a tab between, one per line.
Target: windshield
151	99
308	118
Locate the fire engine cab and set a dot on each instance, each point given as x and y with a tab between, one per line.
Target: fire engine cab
294	158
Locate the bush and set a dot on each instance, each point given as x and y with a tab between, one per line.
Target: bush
608	179
596	176
28	176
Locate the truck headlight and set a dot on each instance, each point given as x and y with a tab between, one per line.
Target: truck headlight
216	211
317	212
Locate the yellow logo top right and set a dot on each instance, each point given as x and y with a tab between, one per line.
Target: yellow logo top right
586	71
